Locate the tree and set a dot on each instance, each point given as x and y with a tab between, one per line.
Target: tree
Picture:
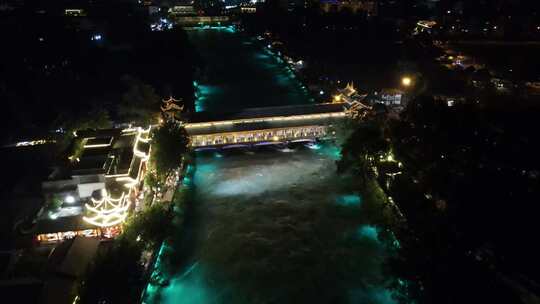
362	150
93	118
55	203
140	103
151	181
115	276
343	130
149	227
169	143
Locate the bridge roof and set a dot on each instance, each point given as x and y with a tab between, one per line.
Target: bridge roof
253	126
248	113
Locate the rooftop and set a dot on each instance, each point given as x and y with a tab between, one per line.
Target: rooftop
264	125
251	113
62	224
68	261
105	152
97	142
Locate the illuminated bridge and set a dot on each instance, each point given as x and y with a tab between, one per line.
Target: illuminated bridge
260	126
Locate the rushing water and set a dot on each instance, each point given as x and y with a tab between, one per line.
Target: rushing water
238	72
273	225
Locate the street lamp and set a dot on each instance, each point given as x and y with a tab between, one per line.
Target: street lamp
406	81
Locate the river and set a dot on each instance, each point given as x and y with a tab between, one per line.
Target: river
237	73
273	225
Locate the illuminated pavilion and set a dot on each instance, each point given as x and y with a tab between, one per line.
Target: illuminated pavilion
107	211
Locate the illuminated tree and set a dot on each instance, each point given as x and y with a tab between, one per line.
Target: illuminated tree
150	226
169	143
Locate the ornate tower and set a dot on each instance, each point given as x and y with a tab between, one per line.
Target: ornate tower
171	109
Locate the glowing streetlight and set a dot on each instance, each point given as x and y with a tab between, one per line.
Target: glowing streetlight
337	98
406	81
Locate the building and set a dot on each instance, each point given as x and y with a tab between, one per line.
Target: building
391	97
248	8
53	273
200	20
354	6
171	109
111	163
74	12
394	100
349	95
66	264
501	84
182	10
449	100
425	26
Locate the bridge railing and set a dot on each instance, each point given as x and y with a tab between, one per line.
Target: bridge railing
259	136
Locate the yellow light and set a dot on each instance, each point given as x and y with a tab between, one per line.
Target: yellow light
34	142
96	146
108	211
337	98
406	81
130	130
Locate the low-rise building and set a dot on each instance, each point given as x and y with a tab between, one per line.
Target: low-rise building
390	97
502	85
449	100
111	164
66	264
182	10
248	9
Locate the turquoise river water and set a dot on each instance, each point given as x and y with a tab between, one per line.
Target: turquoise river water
273	225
